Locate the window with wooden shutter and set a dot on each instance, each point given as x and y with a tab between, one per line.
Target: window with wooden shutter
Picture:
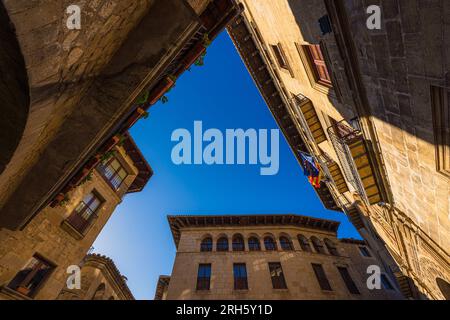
321	277
318	65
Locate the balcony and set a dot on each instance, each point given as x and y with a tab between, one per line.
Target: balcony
80	221
352	150
333	172
308	118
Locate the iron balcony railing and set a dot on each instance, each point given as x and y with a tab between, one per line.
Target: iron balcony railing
341	136
82	218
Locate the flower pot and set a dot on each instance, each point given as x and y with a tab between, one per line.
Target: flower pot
23	290
158	91
193	55
135	116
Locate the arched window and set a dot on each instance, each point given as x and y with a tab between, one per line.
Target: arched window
286	244
206	244
270	244
100	292
331	247
304	243
238	243
253	244
318	245
222	244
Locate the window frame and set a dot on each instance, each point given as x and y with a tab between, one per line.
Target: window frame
209	246
204	282
310	69
235	245
76	219
321	277
27	280
274	242
278	281
251	247
288	242
220	247
108	162
240	281
281	58
348	280
367	253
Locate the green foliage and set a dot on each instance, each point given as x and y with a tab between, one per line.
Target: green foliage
64	202
143	98
164	99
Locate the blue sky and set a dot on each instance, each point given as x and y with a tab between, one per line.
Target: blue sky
222	95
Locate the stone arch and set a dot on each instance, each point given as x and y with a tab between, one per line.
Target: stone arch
285	242
238	242
14	90
99	292
206	244
444	286
222	243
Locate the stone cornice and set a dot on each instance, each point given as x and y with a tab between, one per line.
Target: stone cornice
97	260
206	221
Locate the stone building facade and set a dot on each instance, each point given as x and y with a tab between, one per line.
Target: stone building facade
100	280
268	257
68	93
34	260
372	107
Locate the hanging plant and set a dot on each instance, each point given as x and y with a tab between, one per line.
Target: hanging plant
164	99
107	155
145	115
201	60
143	98
206	40
64	202
87	178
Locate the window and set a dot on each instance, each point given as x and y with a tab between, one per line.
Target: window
349	283
286	244
317	64
203	276
114	172
253	244
318	245
276	273
281	58
304	243
222	244
270	244
279	55
83	215
331	247
206	244
386	283
441	121
321	277
30	278
240	276
364	252
238	243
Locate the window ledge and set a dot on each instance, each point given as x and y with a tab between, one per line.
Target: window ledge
10	293
66	226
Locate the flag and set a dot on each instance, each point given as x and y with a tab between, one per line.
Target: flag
311	169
